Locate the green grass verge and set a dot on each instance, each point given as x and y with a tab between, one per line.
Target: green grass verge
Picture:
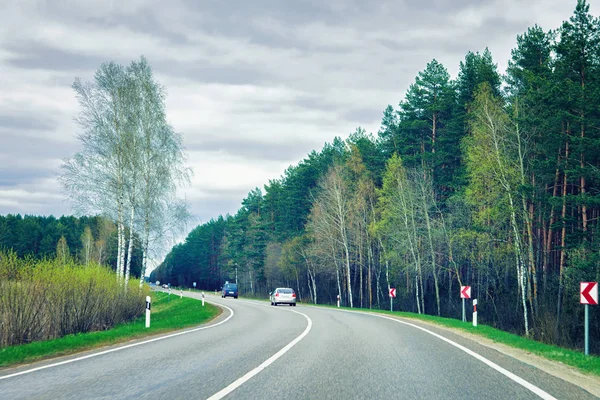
167	315
586	364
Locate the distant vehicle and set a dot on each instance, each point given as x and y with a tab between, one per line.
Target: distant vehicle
283	296
165	286
230	289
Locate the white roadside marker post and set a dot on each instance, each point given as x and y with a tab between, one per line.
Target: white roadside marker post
338	301
202	299
181	293
148	304
474	312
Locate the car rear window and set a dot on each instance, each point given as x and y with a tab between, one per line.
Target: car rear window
286	291
231	286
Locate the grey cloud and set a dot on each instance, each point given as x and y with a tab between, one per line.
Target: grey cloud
22	122
300	11
221	204
16	145
149	19
364	115
10	176
34	55
205	72
249	149
26	160
146	21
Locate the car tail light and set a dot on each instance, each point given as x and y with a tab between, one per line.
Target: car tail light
294	295
276	294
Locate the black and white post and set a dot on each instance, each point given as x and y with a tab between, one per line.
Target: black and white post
338	301
202	299
474	312
148	305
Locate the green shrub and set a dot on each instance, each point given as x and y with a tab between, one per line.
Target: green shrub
45	299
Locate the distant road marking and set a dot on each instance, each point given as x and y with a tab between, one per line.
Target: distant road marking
224	392
122	347
544	395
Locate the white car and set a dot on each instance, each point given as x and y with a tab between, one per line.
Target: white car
283	296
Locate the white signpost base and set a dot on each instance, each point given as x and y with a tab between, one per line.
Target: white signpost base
587	329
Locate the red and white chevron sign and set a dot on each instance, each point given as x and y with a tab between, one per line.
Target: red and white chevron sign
393	292
588	293
465	292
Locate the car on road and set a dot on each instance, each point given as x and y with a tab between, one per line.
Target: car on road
230	289
283	296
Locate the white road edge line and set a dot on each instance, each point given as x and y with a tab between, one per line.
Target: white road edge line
123	347
544	395
239	382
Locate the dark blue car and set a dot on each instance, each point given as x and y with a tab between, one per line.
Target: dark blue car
229	289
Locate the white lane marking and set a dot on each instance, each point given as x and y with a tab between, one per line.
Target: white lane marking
544	395
122	347
224	392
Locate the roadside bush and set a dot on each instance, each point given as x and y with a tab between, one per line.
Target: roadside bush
46	299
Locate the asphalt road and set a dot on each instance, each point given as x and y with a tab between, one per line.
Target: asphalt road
265	352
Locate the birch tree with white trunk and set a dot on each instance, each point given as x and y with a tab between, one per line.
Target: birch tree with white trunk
493	164
132	161
95	178
333	202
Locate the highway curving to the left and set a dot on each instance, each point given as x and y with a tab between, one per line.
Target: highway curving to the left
188	366
256	351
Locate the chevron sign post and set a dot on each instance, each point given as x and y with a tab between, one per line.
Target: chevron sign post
588	294
465	293
392	295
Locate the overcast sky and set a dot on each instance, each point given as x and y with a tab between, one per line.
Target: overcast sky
253	85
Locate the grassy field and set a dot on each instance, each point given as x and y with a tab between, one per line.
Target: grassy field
586	364
167	315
